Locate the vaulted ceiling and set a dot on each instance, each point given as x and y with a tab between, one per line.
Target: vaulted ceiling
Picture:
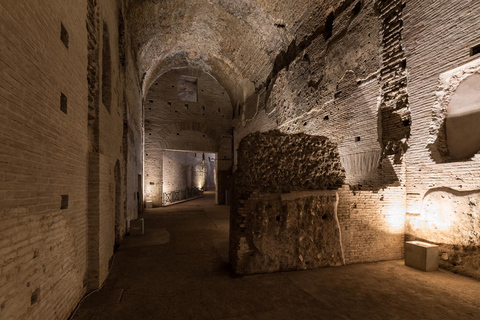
237	41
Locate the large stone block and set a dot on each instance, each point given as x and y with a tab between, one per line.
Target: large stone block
421	255
137	227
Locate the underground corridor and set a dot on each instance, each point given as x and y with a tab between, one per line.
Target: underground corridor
239	159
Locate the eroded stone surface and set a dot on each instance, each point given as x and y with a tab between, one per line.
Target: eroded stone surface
277	162
288	234
268	234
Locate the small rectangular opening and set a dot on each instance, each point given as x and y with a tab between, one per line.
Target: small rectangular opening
475	50
63	103
64	35
64	204
187	88
357	139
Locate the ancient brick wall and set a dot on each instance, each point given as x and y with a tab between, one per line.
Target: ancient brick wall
269	233
44	153
182	170
442	192
43	157
59	152
200	123
338	86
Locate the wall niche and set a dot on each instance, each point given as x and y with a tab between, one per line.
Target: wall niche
454	130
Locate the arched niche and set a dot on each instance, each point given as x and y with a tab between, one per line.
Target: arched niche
463	119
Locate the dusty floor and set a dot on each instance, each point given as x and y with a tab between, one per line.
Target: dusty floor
178	270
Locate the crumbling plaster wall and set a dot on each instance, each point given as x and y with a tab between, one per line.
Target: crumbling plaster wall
442	192
50	257
199	126
337	84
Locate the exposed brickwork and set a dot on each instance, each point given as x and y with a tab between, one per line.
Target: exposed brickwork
184	169
437	40
334	88
175	124
394	109
48	255
77	79
43	151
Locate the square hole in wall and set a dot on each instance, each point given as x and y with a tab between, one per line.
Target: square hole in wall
64	35
357	139
475	50
63	103
187	88
64	203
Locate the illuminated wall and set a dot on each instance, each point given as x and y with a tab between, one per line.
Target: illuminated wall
443	164
186	109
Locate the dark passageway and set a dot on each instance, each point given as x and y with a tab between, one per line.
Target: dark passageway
178	270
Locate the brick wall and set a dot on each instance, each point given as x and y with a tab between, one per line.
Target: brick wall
47	254
174	124
338	87
43	150
179	170
438	37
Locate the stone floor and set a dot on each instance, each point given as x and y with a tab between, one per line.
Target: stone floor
178	270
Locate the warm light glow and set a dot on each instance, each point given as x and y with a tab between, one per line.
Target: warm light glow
435	215
422	244
395	221
395	218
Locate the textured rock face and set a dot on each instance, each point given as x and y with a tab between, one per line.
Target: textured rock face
292	234
269	233
278	162
344	80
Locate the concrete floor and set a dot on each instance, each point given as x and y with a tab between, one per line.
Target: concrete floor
178	270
